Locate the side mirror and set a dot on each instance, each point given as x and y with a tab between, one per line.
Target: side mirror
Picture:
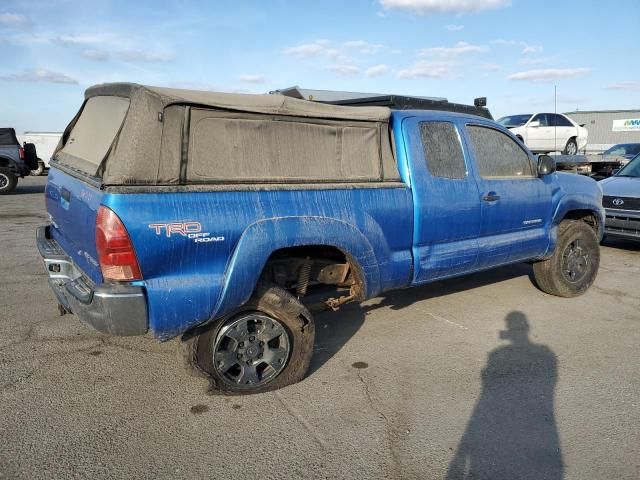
535	124
546	165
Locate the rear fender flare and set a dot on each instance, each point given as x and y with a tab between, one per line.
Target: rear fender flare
7	162
262	238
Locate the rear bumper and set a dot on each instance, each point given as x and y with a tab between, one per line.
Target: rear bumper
110	308
622	224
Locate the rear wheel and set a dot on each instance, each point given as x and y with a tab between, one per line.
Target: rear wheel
40	169
265	346
571	148
8	181
573	267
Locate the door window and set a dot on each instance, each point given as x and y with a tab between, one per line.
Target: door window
442	150
543	118
560	121
497	154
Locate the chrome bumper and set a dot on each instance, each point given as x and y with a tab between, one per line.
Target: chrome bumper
110	308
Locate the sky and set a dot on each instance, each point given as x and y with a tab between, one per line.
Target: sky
514	52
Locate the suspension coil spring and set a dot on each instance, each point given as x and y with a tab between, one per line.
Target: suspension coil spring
303	278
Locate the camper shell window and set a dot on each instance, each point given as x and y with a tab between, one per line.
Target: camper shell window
93	134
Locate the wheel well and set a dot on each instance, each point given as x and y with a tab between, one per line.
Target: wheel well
5	162
586	216
313	269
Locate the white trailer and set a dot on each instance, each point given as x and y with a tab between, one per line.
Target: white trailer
45	143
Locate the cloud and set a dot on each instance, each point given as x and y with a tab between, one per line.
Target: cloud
502	41
547	74
425	69
377	71
632	85
460	48
104	46
144	56
40	75
533	61
82	40
342	69
364	47
454	28
319	48
529	49
492	67
430	7
97	55
250	78
14	19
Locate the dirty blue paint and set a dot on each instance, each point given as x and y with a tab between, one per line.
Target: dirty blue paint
426	229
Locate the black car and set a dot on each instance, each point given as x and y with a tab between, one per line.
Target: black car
15	161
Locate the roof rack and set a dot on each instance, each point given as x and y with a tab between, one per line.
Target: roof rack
395	102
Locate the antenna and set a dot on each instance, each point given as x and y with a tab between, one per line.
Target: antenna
555	111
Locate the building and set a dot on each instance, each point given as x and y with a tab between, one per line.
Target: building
608	127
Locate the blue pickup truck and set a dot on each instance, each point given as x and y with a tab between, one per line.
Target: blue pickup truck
223	218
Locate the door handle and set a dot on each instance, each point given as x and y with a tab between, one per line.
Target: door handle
491	197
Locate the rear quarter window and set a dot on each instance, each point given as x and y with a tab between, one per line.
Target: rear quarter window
442	150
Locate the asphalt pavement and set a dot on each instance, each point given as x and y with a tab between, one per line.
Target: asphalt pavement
483	374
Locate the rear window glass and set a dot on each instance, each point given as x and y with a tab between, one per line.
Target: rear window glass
94	132
8	137
279	150
442	150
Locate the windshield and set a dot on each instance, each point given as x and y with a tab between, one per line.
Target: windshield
632	169
624	149
514	120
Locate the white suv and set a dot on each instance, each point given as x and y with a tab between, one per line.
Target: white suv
547	132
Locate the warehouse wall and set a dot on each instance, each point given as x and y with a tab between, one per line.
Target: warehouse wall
600	126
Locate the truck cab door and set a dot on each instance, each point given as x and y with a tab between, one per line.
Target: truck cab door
446	200
516	203
540	134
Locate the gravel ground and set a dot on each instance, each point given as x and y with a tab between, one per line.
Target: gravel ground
484	373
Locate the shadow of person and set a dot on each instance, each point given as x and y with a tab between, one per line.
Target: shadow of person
512	432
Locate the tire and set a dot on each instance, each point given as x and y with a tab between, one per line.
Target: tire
573	267
40	170
266	345
8	181
571	148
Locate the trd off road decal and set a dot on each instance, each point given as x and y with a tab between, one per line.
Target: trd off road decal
192	230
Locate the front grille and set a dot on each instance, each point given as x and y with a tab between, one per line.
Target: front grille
628	203
623	225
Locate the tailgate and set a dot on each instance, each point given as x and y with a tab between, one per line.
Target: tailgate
72	205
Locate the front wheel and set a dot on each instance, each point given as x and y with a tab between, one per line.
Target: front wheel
571	148
264	346
573	267
8	181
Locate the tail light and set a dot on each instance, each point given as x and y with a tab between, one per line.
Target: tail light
21	153
116	255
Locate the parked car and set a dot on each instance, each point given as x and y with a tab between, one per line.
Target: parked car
622	201
547	132
220	217
45	143
623	151
14	164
